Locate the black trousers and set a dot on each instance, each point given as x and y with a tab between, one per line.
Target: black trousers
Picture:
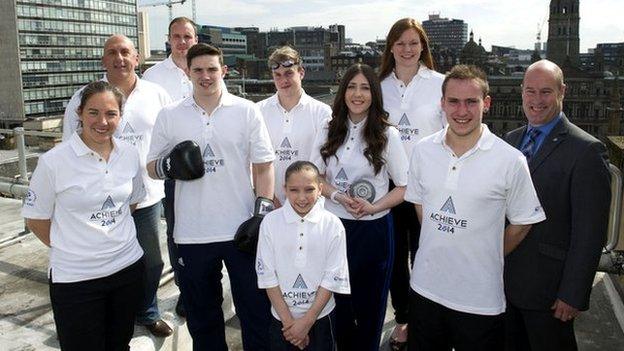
98	314
529	330
321	336
406	235
434	327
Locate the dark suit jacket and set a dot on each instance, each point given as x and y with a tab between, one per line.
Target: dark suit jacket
559	256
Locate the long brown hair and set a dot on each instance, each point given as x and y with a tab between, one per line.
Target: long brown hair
376	123
400	26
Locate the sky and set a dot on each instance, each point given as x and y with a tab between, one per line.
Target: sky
496	22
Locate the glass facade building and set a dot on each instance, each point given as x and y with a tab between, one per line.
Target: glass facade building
446	33
59	46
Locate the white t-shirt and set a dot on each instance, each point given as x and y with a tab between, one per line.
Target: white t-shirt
299	254
292	133
138	116
171	78
211	208
414	109
88	202
350	165
465	200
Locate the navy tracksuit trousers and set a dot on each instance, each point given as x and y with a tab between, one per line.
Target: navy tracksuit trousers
200	282
370	252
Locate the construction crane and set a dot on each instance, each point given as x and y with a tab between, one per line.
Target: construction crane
538	43
169	4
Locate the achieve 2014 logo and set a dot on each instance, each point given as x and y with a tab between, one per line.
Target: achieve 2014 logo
447	223
107	214
285	151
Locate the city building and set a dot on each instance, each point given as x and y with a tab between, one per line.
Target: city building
230	41
256	41
446	33
51	48
355	53
143	36
609	57
315	44
563	33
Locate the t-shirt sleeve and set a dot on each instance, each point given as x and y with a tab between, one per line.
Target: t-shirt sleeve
260	147
319	140
336	273
396	158
160	143
414	191
138	187
265	263
41	196
523	206
71	121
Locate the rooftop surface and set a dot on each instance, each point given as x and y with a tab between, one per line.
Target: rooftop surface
26	321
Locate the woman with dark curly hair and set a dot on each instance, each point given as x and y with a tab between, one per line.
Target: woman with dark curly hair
411	92
357	153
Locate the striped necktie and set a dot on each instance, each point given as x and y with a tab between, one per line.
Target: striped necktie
530	147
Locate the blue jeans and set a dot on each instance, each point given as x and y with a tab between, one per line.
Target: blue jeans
200	282
146	222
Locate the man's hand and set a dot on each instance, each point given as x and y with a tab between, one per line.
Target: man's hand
563	311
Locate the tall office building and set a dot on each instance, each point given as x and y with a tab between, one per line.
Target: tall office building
446	33
51	48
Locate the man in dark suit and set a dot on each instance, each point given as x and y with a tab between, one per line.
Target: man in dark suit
548	277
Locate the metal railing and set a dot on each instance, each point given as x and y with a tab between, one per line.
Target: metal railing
15	186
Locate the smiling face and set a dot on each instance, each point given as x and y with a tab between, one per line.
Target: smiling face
302	190
181	37
463	103
406	50
100	117
287	80
358	97
542	94
120	58
206	73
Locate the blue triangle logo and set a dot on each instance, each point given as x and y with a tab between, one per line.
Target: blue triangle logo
208	151
299	283
342	175
128	129
448	206
404	121
108	203
286	144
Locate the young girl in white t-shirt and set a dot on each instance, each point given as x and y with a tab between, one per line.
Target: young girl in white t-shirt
301	261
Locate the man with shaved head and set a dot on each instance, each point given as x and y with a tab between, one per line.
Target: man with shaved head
548	277
143	101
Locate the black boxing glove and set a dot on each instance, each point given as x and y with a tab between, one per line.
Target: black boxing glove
246	238
184	162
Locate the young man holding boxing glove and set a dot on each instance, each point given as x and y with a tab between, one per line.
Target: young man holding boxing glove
230	133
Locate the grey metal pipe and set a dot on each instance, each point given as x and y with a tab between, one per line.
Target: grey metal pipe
21	152
34	133
616	208
15	189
